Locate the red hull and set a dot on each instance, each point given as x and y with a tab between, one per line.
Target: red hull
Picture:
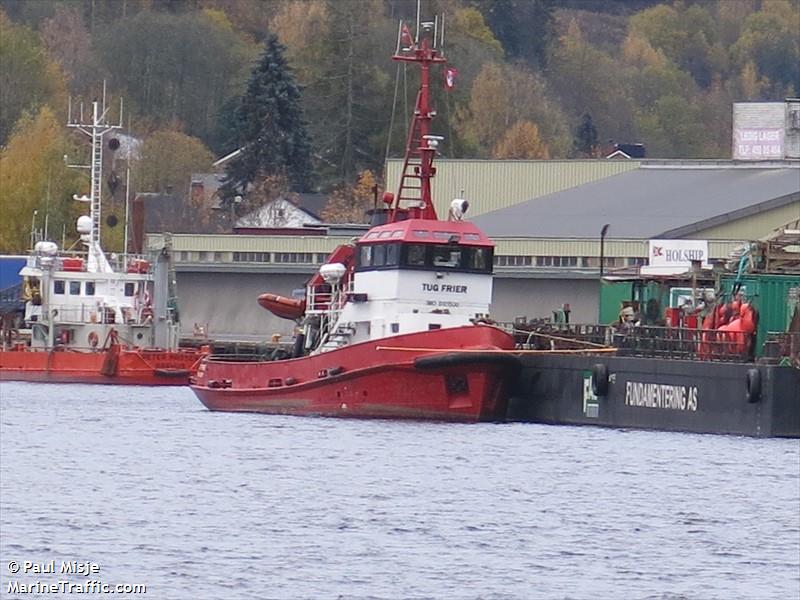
447	374
133	367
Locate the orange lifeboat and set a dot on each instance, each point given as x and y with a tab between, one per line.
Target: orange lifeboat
281	306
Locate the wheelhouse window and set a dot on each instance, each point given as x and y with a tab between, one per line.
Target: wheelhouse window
377	256
59	285
392	255
74	288
130	288
90	288
446	256
415	255
440	257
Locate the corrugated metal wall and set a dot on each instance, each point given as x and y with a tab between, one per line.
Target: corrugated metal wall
753	227
503	246
493	184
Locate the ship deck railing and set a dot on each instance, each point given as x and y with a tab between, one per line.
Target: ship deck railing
782	347
639	340
119	262
85	314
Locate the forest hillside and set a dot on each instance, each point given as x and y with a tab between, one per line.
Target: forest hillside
203	78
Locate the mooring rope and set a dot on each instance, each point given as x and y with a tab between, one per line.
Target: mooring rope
561	339
606	349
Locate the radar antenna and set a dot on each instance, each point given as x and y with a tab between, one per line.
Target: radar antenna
95	129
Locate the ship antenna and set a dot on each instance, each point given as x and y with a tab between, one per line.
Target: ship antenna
95	129
416	39
414	198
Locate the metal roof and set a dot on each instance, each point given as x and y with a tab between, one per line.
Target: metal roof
650	202
494	184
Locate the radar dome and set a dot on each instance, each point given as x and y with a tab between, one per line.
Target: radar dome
84	224
46	248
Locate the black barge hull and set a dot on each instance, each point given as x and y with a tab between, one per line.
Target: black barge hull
669	395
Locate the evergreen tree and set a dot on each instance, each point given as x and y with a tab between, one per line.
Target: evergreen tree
584	144
269	128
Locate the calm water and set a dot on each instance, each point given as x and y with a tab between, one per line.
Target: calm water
157	491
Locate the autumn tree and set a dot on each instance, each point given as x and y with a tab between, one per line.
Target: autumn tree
522	142
270	129
168	159
28	78
770	41
175	67
33	177
350	203
684	33
502	96
673	128
300	26
69	43
470	44
588	80
344	66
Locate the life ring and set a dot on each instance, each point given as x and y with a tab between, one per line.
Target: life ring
93	339
753	385
600	380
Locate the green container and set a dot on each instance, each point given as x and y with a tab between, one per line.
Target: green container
773	296
612	294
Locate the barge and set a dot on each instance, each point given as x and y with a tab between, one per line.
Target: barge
723	356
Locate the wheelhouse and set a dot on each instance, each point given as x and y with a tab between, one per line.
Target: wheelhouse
426	245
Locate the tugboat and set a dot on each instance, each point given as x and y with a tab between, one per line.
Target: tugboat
92	321
395	325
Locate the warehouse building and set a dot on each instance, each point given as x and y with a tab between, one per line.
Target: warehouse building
548	242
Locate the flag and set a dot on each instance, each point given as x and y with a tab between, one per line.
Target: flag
406	40
450	74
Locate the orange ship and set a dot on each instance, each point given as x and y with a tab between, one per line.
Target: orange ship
90	320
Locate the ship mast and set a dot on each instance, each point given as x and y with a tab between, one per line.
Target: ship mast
95	129
414	198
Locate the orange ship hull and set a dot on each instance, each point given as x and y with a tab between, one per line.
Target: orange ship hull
120	366
458	374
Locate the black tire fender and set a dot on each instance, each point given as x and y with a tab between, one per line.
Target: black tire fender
753	385
460	359
600	380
